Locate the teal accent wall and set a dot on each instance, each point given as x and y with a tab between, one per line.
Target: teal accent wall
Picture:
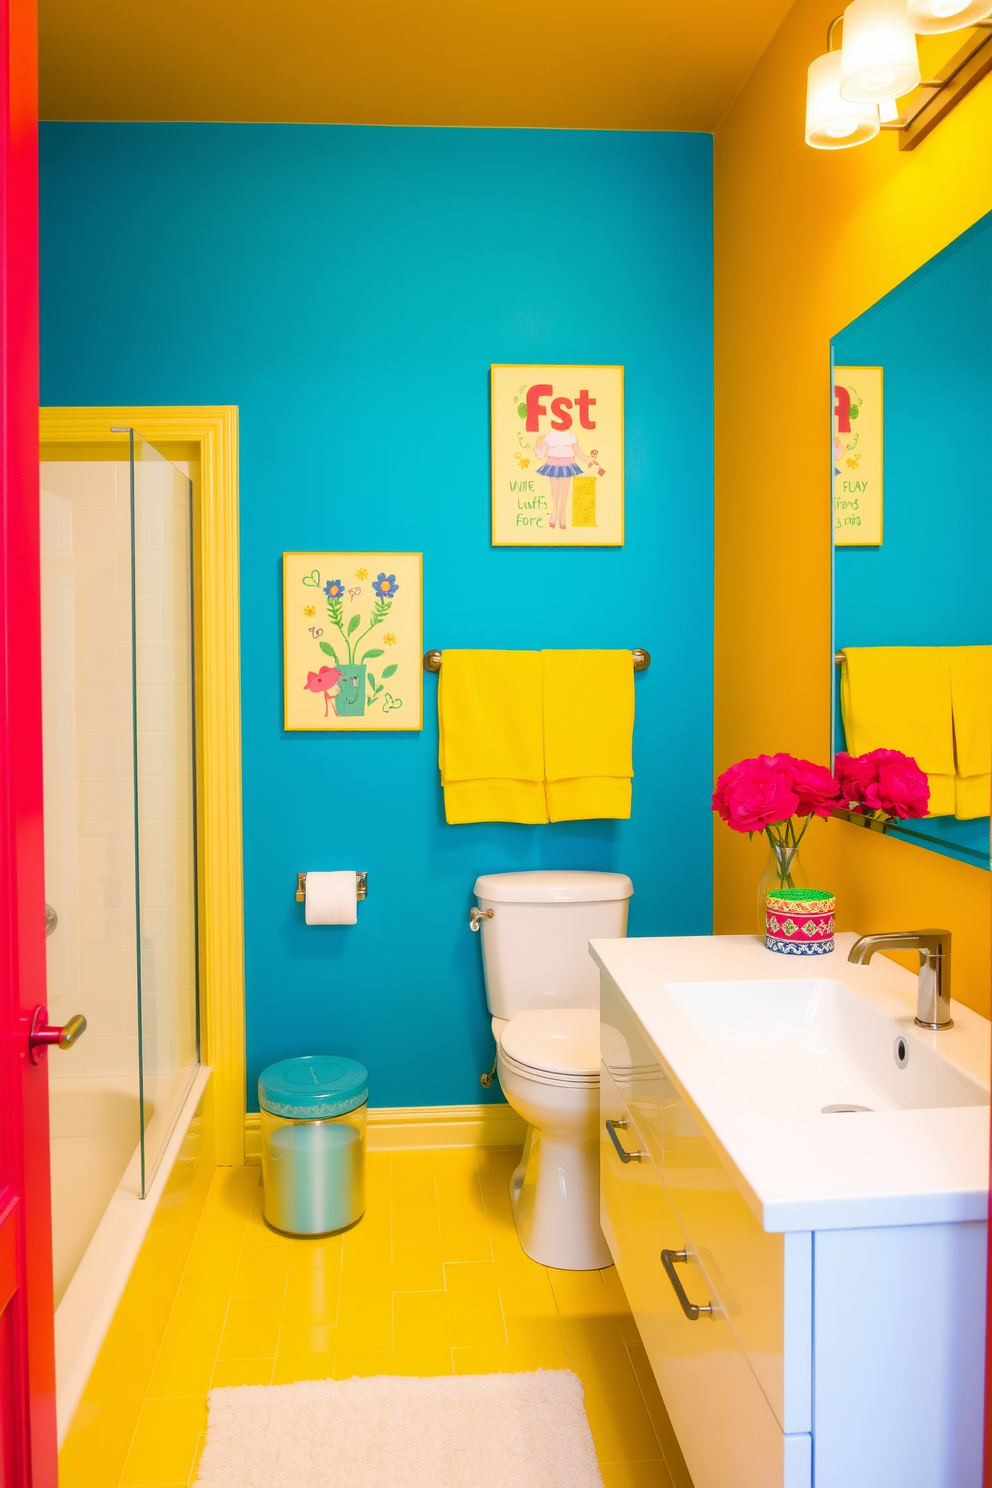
928	583
348	288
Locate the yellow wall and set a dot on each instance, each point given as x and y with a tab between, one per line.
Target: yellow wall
805	241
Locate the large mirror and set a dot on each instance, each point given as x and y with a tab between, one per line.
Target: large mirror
912	484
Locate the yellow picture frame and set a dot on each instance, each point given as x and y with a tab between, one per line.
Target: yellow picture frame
858	456
556	455
353	642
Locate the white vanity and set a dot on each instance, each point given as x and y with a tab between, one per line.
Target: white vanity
842	1254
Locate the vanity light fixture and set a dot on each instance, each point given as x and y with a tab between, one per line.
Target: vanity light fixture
833	123
878	59
852	92
933	17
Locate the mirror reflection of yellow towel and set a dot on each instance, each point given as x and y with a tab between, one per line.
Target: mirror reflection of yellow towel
899	697
971	695
584	501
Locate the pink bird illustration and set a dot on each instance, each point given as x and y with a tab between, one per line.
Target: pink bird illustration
325	681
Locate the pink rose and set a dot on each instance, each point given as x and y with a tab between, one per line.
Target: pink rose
855	773
816	788
901	788
754	793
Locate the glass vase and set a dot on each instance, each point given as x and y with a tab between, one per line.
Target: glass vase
783	870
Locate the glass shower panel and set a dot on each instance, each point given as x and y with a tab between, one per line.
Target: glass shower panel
89	843
164	793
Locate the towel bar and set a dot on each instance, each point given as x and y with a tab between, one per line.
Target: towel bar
642	660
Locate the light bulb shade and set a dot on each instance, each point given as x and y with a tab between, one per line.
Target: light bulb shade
832	123
931	17
878	57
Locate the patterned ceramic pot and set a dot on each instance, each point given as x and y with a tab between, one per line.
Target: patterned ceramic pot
800	922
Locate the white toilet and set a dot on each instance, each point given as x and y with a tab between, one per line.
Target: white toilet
542	988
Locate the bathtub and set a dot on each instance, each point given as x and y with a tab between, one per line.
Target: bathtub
98	1217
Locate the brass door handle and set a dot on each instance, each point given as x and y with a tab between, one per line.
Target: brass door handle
668	1260
625	1157
42	1033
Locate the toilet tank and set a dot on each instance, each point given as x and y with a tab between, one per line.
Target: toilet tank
535	948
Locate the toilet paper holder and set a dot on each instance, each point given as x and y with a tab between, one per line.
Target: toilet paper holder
362	889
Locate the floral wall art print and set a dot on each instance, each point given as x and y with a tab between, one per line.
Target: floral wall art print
557	456
352	626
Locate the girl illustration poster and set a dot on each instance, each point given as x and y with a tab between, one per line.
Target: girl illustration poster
557	456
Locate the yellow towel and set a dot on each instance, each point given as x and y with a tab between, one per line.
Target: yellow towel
491	736
899	697
588	728
971	698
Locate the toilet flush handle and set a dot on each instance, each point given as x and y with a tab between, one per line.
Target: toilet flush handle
476	915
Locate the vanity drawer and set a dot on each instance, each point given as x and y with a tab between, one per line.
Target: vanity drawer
728	1434
633	1065
763	1281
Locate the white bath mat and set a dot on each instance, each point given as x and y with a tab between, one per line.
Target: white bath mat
450	1431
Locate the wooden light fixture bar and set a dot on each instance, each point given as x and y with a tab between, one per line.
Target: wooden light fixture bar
950	84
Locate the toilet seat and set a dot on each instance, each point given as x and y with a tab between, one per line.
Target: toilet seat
554	1046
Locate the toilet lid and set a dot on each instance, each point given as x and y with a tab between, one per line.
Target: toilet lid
562	1040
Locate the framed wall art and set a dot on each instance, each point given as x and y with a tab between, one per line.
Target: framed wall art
557	456
857	452
352	628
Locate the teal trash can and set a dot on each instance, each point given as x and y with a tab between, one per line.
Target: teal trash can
313	1113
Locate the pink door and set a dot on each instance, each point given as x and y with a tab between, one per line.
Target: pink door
27	1362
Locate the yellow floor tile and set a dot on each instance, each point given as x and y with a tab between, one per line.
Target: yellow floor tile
420	1321
621	1427
474	1310
418	1265
465	1238
165	1442
242	1372
588	1293
185	1364
432	1280
597	1351
312	1295
262	1272
346	1366
422	1361
304	1353
201	1302
365	1312
525	1291
252	1328
415	1218
412	1174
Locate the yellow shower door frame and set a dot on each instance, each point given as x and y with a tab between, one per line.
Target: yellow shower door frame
208	438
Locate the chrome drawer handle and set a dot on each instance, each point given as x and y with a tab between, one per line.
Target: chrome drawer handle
625	1157
668	1260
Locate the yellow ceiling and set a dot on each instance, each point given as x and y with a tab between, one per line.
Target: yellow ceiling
585	64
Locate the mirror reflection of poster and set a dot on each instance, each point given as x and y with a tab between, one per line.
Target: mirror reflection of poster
353	642
557	456
857	457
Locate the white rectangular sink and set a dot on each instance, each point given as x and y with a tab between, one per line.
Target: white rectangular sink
755	1045
800	1047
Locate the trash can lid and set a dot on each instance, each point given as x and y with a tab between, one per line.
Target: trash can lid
313	1087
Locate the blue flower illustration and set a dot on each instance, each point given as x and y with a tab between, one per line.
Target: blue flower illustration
334	589
385	586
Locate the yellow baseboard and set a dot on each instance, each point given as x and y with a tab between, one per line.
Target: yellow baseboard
406	1128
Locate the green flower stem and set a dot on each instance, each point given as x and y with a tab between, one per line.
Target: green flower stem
379	613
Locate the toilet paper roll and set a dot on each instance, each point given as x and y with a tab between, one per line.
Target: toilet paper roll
332	898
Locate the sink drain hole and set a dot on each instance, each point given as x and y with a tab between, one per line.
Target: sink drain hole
839	1109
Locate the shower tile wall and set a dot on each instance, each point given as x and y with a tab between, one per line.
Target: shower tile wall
89	799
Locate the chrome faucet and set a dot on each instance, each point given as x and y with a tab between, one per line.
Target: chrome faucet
933	1003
